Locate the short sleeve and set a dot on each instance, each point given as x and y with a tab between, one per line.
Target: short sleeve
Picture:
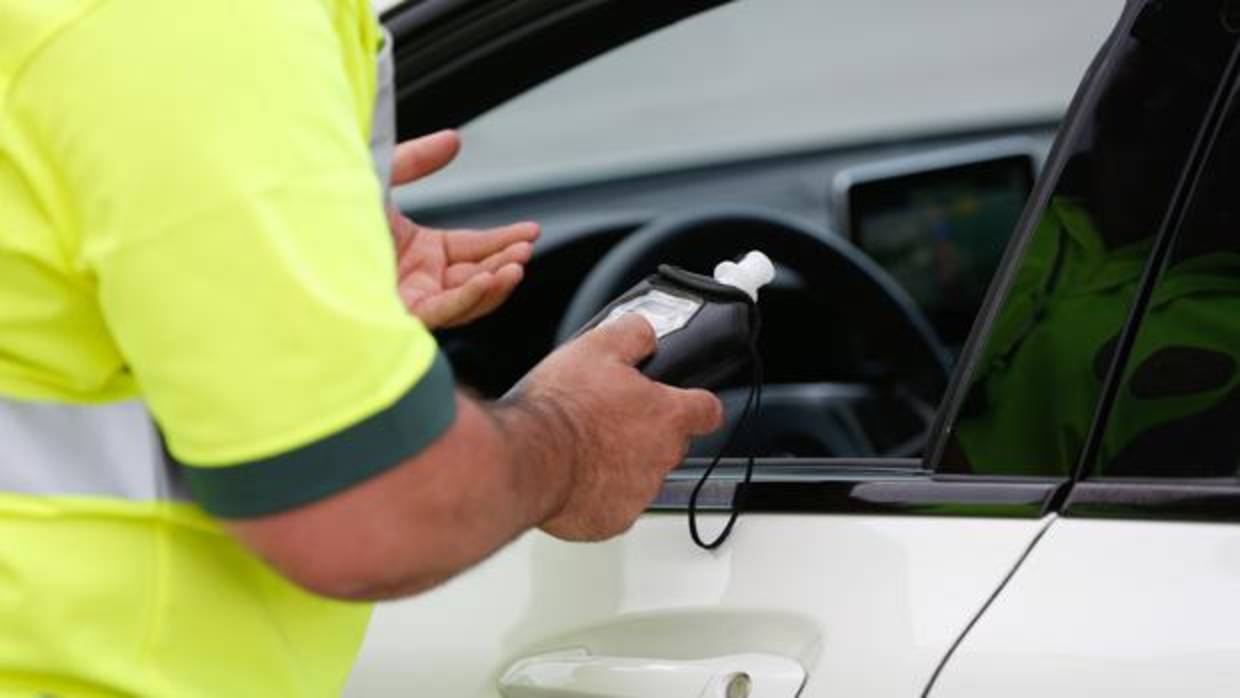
214	155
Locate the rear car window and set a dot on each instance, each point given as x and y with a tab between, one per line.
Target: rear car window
1177	410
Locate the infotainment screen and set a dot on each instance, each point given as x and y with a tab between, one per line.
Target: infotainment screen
941	232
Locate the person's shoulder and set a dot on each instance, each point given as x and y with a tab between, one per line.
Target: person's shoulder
27	26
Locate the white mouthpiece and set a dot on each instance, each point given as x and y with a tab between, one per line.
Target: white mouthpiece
750	274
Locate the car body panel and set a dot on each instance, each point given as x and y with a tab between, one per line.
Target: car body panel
1110	608
868	605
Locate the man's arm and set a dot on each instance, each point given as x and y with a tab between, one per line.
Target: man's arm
418	524
581	449
245	278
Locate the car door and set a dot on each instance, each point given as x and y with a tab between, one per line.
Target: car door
844	576
858	579
1130	592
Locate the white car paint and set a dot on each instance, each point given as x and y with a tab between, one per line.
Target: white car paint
867	605
1111	608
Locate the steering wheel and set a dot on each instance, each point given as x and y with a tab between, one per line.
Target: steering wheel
869	303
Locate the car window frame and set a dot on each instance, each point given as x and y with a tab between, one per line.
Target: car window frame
1188	498
1075	122
1088	495
1169	232
846	485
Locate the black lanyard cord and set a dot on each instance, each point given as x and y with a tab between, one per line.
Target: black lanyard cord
753	406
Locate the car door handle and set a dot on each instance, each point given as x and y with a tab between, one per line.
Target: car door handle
579	674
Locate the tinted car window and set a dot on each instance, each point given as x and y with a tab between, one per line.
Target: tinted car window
1036	382
1177	411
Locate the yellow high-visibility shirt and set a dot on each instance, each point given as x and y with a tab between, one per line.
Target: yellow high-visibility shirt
190	224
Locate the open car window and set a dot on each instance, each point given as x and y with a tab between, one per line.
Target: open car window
766	103
759	76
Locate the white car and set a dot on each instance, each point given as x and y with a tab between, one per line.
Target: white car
997	453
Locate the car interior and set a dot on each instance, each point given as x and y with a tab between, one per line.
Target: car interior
885	245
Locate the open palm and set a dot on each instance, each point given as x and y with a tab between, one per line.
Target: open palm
452	277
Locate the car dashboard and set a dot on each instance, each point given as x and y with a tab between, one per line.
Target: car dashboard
866	193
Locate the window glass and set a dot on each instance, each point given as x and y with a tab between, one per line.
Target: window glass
1177	412
1036	383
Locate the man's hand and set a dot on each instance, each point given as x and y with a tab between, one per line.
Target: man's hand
452	277
620	431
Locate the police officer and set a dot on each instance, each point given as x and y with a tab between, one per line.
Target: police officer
192	230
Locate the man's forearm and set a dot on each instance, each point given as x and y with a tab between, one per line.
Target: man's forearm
581	452
504	469
541	442
499	470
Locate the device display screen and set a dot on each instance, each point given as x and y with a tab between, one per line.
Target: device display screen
941	233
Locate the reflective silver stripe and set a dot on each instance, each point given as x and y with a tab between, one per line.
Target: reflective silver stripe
383	126
87	450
